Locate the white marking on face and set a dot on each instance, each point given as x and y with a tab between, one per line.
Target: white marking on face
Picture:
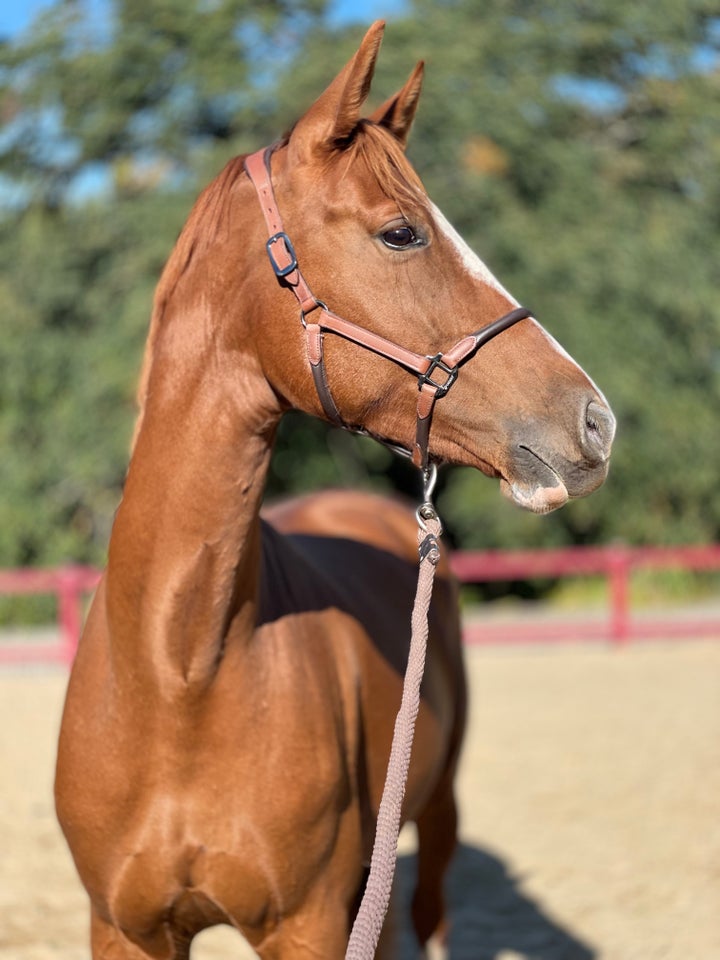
476	268
470	260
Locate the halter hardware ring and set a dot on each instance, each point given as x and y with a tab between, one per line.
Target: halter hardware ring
318	303
436	363
281	272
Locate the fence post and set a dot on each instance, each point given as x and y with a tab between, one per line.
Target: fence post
69	594
619	580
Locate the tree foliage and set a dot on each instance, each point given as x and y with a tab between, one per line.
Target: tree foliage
574	144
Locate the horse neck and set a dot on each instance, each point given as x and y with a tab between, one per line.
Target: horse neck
184	554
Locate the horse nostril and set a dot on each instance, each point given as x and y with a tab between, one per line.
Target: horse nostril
599	429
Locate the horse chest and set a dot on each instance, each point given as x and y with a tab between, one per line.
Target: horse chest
239	873
221	848
214	816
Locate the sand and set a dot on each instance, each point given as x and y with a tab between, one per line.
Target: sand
590	799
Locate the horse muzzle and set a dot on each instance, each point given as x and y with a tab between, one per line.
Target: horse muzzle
541	476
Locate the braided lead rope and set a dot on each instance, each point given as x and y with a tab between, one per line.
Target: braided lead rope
371	915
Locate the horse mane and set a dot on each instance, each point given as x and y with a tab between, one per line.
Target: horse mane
199	232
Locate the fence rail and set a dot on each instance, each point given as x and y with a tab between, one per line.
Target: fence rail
615	563
72	584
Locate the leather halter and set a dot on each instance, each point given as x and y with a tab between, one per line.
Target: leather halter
436	374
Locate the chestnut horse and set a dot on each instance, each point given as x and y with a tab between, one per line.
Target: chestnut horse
230	710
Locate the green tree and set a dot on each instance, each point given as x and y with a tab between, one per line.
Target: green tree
111	129
140	90
575	145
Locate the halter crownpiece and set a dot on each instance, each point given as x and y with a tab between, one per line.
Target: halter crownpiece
436	374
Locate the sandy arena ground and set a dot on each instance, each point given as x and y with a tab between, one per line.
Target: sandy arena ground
590	797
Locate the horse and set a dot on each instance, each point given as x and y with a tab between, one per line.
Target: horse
230	709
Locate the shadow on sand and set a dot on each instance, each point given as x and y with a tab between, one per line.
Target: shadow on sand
489	914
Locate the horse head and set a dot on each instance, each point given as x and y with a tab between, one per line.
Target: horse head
375	249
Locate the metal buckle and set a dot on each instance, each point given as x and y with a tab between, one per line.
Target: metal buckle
426	511
281	272
436	363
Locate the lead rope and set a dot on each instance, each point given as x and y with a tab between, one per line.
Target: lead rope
376	899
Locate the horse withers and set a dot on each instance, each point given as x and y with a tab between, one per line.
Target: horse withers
230	710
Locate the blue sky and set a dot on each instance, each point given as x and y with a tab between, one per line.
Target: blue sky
15	15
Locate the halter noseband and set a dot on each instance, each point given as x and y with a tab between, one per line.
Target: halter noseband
436	374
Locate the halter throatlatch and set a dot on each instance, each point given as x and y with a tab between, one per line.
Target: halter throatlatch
435	374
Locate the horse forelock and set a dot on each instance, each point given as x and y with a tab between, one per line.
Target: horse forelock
385	159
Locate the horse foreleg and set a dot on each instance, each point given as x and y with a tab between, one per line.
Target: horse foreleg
110	943
437	837
307	935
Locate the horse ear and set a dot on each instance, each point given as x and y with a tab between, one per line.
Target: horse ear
398	113
335	114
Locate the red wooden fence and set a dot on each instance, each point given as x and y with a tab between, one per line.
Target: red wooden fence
615	563
71	585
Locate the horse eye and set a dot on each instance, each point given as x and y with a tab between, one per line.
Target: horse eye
399	238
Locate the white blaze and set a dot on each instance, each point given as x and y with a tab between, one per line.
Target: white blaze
476	268
470	260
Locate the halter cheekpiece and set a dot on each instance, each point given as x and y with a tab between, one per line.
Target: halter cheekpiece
435	374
